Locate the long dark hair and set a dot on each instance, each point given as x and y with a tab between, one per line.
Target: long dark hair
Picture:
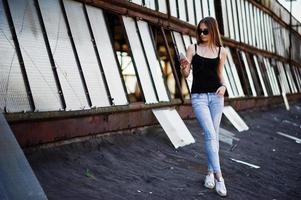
212	25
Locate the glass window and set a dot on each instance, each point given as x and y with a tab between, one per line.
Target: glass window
234	73
140	62
86	53
162	6
13	95
165	60
107	56
211	8
181	49
241	20
153	61
38	68
230	20
63	55
235	19
265	93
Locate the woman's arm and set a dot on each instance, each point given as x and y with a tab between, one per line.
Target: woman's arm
223	56
186	64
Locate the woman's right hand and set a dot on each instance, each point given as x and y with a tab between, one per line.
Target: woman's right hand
184	63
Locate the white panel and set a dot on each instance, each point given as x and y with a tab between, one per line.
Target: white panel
231	78
212	8
230	20
182	10
252	28
35	56
153	61
86	53
181	49
227	81
187	41
139	2
290	78
297	77
235	119
260	76
150	4
275	80
246	64
190	9
282	78
13	93
225	18
141	65
174	127
199	12
205	8
107	55
236	27
173	8
235	74
268	71
193	39
162	6
63	55
248	22
242	20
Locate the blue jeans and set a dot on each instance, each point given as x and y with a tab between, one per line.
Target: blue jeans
208	109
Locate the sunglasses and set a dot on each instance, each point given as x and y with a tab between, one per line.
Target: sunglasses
205	31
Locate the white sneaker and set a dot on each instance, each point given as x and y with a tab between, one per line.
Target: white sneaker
209	181
220	187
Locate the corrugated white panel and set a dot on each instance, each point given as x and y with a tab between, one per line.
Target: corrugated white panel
153	61
182	49
86	53
268	71
205	8
107	55
35	56
231	78
13	93
225	19
173	8
141	65
274	79
297	75
235	74
190	9
162	6
193	39
260	76
182	10
235	119
199	12
212	8
246	64
174	126
63	55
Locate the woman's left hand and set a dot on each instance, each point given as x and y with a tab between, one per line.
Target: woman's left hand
221	90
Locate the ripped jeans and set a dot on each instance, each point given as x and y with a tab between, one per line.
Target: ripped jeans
208	109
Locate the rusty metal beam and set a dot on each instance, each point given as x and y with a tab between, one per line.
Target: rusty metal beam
36	131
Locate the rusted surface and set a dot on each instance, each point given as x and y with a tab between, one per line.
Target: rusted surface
47	130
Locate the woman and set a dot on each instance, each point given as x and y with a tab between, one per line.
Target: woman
206	59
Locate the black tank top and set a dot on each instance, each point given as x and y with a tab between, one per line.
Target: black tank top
204	71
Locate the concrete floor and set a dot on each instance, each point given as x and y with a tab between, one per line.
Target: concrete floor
142	164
